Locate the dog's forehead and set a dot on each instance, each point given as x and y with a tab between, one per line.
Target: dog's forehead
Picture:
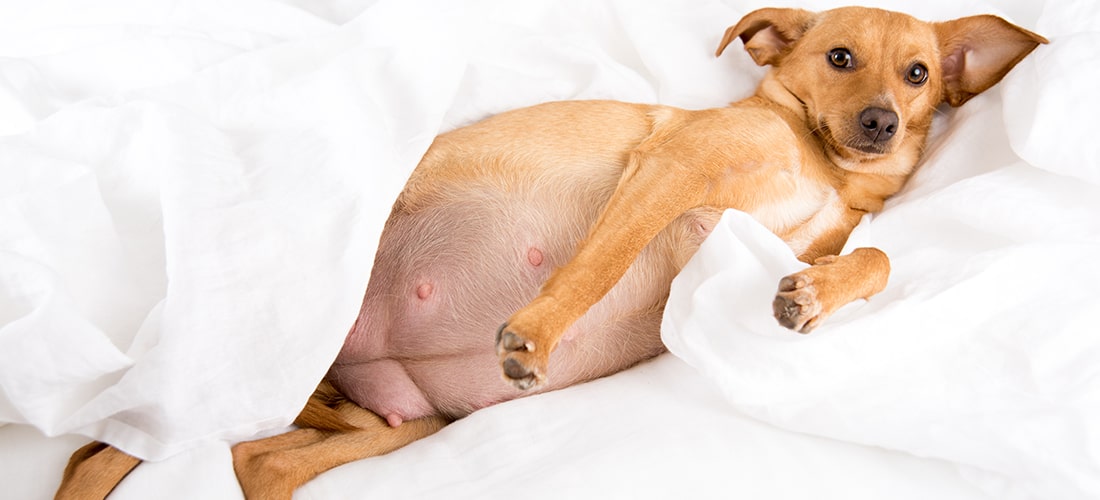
875	31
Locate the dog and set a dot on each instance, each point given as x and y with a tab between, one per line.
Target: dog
570	219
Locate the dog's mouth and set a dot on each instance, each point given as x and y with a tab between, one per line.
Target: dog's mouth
869	148
853	145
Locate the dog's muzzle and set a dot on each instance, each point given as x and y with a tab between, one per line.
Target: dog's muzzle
878	126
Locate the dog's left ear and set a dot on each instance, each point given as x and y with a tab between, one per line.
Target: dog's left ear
768	33
977	52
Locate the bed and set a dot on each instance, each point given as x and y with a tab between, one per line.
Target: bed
191	193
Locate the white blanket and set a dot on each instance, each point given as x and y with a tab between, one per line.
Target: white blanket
191	194
984	349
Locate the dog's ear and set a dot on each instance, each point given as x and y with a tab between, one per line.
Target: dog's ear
768	33
976	52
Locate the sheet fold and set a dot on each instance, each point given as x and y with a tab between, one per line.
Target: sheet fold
191	195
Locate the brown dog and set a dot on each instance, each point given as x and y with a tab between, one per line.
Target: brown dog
585	211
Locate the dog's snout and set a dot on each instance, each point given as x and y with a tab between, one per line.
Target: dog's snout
878	124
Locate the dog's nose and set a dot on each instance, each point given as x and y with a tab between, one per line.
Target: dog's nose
879	125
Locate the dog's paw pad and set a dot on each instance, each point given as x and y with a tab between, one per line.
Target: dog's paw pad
519	361
522	370
514	370
510	342
796	305
794	282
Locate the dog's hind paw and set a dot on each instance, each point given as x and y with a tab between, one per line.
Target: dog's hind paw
521	363
796	305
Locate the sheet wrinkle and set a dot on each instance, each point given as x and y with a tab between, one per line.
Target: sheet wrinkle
191	195
989	253
221	183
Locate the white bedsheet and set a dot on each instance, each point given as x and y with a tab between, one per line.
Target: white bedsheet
191	193
983	350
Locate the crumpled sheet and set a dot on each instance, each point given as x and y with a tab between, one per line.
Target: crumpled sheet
191	194
184	247
983	350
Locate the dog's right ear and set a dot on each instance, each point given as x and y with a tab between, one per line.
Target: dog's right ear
768	33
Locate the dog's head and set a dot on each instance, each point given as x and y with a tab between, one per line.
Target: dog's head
868	81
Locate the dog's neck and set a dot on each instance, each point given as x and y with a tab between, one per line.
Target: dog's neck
773	90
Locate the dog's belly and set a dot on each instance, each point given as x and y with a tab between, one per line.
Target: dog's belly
491	210
446	276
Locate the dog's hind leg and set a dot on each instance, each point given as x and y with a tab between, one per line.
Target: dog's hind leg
93	472
274	467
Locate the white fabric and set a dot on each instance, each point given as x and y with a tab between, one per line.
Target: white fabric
191	194
656	431
211	231
983	349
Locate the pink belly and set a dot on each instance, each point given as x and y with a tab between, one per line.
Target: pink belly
402	390
446	277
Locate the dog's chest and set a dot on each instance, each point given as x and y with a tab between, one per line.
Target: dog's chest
800	215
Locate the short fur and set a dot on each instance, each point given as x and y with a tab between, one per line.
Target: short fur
579	214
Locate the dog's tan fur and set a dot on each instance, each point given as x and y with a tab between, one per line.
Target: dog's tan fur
782	155
793	155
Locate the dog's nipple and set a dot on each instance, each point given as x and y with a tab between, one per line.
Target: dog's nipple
701	229
534	257
393	420
424	291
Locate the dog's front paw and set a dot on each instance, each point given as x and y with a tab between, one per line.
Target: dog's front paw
796	304
522	361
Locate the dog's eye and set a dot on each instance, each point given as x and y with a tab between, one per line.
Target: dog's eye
917	74
840	58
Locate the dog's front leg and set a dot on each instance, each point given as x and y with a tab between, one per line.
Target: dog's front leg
653	191
807	297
